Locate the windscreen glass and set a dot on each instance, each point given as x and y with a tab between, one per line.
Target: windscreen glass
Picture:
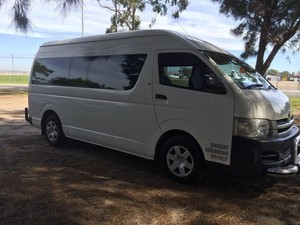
240	72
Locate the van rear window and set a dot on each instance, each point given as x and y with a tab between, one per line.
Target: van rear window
117	72
50	71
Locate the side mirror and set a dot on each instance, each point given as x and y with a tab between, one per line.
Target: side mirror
213	84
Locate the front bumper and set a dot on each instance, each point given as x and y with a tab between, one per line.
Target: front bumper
291	169
275	156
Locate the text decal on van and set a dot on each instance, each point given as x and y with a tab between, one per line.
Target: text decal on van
218	152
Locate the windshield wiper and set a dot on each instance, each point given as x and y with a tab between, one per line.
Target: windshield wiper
251	86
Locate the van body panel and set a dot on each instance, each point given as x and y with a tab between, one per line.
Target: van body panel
271	104
115	123
199	116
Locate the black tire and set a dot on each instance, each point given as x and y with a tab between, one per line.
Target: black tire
53	131
182	159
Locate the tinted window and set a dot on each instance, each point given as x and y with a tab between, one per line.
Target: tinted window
78	72
51	71
185	70
118	72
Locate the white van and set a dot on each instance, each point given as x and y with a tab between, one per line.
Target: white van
163	95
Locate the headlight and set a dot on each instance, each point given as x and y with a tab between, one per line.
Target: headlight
251	127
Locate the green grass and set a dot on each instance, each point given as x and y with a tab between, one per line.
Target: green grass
295	103
180	82
14	79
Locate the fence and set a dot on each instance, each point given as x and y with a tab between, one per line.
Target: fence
288	86
14	64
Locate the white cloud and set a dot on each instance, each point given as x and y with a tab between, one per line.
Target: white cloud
201	19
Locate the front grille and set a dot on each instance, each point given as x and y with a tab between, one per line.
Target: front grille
269	156
285	153
274	156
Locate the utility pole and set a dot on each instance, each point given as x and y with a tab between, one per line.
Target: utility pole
82	22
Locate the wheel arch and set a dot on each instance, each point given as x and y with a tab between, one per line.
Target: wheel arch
45	115
170	134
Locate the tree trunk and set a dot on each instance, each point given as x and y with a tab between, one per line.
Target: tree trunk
263	39
261	52
116	14
288	35
265	66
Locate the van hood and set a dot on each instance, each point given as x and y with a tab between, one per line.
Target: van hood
271	104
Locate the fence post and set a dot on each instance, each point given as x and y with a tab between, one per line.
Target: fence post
13	67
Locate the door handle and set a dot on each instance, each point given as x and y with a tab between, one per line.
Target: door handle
159	96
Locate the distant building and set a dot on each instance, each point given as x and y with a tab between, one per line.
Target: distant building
272	78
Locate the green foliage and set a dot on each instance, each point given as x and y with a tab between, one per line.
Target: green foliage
265	23
286	73
273	72
162	6
180	82
124	16
125	11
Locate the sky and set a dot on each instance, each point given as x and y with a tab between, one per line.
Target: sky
201	19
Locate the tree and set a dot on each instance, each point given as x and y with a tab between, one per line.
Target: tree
286	73
125	11
124	14
20	9
19	13
125	17
273	72
273	24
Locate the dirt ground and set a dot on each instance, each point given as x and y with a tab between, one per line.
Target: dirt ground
82	184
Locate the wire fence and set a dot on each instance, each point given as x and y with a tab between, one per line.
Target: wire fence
15	64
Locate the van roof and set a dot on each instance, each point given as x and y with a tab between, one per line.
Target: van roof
198	43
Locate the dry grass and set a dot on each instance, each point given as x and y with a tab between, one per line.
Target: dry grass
85	184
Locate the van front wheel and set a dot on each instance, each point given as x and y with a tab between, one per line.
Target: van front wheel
182	159
53	131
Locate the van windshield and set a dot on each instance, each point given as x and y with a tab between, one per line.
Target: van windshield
240	72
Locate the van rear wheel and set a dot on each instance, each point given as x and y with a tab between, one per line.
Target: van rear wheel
53	131
182	159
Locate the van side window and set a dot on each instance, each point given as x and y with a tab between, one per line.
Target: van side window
119	72
51	71
78	72
185	70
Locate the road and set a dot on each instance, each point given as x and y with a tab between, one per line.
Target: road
292	93
14	87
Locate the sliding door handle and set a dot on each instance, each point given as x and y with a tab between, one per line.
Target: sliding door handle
159	96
